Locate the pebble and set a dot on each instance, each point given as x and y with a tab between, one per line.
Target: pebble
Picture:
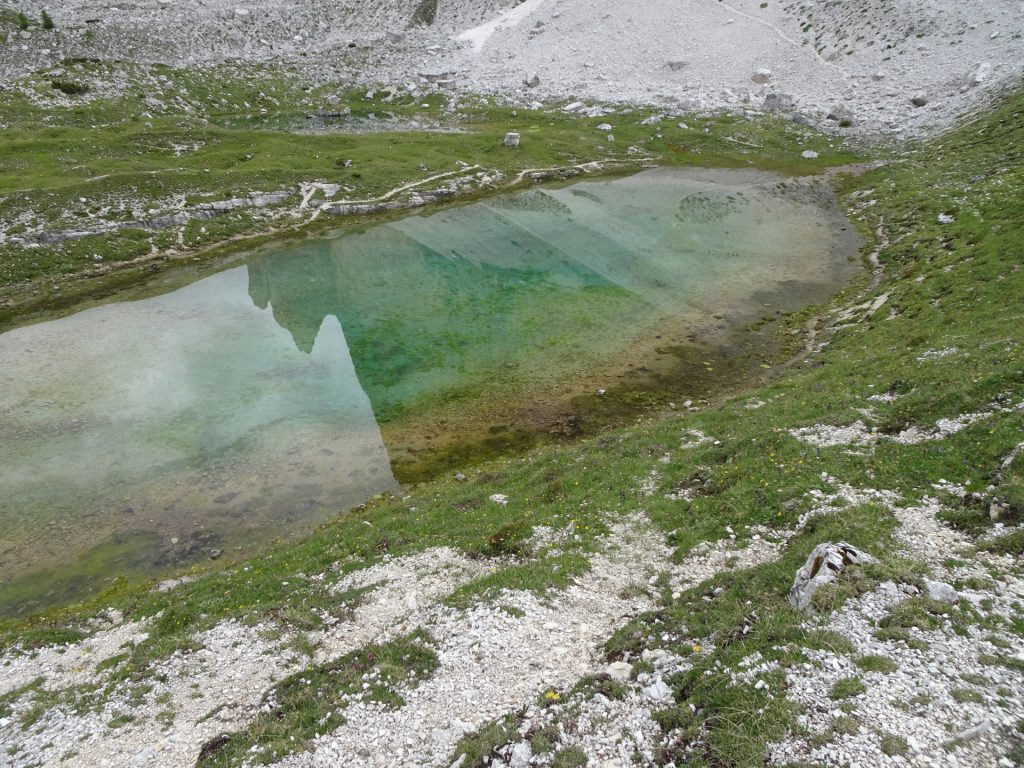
619	670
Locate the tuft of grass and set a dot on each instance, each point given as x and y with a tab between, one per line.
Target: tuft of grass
119	721
917	613
509	539
480	746
69	87
964	695
893	745
303	645
844	725
873	663
828	640
847	688
1009	662
1008	544
601	684
570	757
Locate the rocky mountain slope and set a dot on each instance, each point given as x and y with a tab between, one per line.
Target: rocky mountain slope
892	66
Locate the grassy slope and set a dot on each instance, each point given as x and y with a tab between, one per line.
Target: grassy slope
949	285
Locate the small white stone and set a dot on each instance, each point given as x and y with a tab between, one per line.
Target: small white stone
619	670
658	692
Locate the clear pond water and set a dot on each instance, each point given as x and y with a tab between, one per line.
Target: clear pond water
138	436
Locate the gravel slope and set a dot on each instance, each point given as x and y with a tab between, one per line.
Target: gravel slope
868	59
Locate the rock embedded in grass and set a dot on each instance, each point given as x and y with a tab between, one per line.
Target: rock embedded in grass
824	565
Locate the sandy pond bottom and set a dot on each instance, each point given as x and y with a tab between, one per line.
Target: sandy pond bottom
138	436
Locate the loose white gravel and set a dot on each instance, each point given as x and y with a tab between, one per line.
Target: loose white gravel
935	700
922	702
498	656
73	664
492	660
858	434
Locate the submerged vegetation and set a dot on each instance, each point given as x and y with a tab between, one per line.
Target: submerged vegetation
933	334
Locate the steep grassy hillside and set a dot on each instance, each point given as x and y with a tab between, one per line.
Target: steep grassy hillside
924	371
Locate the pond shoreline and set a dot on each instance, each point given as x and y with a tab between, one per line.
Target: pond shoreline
82	289
693	357
73	292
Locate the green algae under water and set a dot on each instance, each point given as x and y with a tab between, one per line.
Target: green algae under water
136	437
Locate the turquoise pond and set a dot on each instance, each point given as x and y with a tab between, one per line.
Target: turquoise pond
260	400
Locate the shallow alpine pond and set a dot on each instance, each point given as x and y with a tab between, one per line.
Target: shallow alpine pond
140	436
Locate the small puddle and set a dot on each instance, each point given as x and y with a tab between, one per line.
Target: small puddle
137	437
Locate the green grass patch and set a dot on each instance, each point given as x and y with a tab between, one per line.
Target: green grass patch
119	721
570	757
963	695
1008	544
997	660
893	745
882	664
479	747
847	688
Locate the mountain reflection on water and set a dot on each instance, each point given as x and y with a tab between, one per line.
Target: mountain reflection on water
542	283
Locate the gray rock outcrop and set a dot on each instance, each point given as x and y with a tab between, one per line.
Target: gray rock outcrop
777	102
823	566
940	591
